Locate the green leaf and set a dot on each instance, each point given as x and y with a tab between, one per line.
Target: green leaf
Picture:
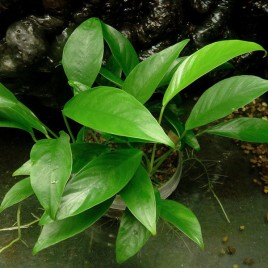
245	129
205	60
83	52
58	231
114	111
171	70
182	218
111	77
101	179
131	237
52	165
20	191
83	153
15	115
175	123
25	169
140	199
146	76
121	48
224	98
78	87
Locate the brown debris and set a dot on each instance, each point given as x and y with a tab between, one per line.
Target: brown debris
257	152
230	250
248	261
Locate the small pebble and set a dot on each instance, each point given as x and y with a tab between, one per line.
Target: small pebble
235	266
242	227
225	239
248	261
230	250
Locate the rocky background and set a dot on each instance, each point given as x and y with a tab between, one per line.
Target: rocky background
32	35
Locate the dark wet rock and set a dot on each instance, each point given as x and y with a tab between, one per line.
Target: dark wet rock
48	22
202	6
59	7
86	10
216	25
156	21
25	40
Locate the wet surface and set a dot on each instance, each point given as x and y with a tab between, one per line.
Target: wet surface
231	175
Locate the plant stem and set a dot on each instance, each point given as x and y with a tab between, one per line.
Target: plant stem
51	132
19	232
68	128
154	147
159	161
210	187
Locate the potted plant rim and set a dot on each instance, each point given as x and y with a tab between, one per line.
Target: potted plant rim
123	106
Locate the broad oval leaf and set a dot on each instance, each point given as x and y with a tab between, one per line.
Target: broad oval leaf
146	76
224	98
15	115
121	48
101	179
83	52
245	129
182	218
25	169
51	169
83	153
205	60
58	231
131	237
114	111
140	199
17	193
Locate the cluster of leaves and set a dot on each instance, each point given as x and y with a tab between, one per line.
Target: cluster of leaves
76	182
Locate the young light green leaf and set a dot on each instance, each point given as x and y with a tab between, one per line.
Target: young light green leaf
146	76
15	115
131	237
25	169
58	231
171	70
125	117
182	218
78	87
20	191
224	98
101	179
52	165
83	153
121	48
83	52
205	60
245	129
140	199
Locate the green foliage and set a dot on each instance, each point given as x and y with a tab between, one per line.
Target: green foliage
114	101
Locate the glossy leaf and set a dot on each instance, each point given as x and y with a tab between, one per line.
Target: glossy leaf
121	48
83	52
245	129
17	193
205	60
78	87
183	219
58	231
224	98
25	169
111	77
146	76
125	117
101	179
15	115
175	123
140	199
171	70
83	153
52	165
131	237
